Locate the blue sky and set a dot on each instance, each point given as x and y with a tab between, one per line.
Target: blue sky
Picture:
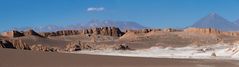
151	13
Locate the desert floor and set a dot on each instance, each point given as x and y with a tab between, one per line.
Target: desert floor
22	58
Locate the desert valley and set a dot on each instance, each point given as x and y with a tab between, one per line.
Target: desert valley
102	45
119	33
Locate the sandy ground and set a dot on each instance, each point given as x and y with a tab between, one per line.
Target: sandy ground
21	58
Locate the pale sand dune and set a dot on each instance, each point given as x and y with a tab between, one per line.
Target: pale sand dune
20	58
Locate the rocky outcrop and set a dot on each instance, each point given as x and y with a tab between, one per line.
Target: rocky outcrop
108	31
61	33
6	44
76	46
12	34
202	30
111	31
40	47
122	47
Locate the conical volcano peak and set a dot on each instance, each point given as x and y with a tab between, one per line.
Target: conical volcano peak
213	20
213	14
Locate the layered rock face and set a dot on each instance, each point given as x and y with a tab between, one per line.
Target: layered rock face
108	31
111	31
203	30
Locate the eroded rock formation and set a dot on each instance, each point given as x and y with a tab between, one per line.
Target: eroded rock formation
76	46
40	47
108	31
61	33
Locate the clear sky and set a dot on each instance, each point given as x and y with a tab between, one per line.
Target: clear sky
151	13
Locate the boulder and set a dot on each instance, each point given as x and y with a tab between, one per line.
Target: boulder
213	54
122	47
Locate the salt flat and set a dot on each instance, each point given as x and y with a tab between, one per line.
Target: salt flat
218	51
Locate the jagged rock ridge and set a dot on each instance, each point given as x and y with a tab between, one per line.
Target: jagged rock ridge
110	31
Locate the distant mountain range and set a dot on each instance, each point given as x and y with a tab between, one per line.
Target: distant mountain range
215	21
212	20
123	25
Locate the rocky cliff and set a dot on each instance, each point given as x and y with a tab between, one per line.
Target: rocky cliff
202	30
108	31
210	31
